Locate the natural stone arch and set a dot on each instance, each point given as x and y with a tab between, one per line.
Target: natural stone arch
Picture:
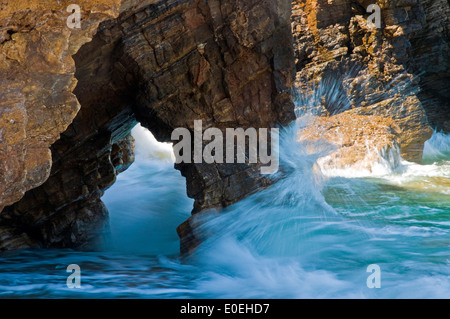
228	63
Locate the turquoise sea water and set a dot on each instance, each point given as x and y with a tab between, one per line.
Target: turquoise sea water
311	235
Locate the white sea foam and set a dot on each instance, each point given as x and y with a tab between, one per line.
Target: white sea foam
434	173
147	147
437	148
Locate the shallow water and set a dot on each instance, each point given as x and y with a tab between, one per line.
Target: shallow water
311	235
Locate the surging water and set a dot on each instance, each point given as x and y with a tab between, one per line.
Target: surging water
311	235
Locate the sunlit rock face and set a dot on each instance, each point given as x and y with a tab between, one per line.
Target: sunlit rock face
68	104
36	84
69	97
399	71
350	141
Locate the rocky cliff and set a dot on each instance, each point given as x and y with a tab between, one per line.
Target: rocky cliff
68	104
399	71
69	97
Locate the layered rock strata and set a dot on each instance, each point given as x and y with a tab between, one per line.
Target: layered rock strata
69	97
399	71
162	63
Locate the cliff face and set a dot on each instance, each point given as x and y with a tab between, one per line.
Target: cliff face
69	97
36	84
162	63
399	72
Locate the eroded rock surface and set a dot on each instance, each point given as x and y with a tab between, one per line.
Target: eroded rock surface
36	84
400	71
164	64
67	105
351	141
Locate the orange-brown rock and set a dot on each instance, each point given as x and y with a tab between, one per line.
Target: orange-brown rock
163	63
36	84
400	71
349	140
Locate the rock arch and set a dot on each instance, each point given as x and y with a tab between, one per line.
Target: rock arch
163	64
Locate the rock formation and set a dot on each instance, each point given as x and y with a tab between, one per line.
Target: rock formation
162	63
36	84
36	99
350	140
398	72
69	97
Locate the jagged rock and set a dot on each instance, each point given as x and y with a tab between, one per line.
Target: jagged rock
162	63
400	71
349	140
36	84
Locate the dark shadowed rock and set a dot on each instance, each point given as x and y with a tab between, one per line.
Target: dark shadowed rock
162	63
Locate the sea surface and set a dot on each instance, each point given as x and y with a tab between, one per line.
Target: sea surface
311	235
